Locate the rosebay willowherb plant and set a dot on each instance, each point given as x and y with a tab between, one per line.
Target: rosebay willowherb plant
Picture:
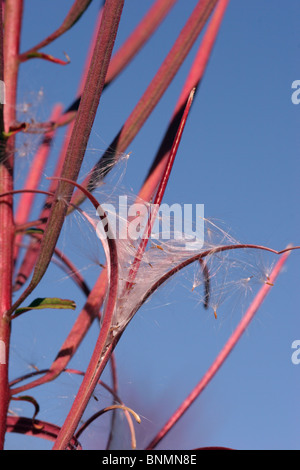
142	243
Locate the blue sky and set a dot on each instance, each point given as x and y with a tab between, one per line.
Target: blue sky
238	157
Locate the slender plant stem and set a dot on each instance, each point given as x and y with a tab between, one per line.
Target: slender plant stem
78	141
37	428
9	72
138	37
76	10
31	254
75	337
160	193
193	80
224	353
151	96
94	369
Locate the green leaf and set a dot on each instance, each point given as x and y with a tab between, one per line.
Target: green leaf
41	303
34	231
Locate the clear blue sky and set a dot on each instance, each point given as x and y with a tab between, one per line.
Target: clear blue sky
238	157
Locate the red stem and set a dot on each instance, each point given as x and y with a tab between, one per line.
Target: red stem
151	97
75	337
76	10
112	391
37	428
31	254
72	271
13	18
138	37
160	192
193	80
94	369
78	142
229	346
114	377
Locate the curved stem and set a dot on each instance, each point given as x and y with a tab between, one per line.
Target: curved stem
95	366
76	10
75	337
197	257
231	343
20	191
37	428
176	269
111	408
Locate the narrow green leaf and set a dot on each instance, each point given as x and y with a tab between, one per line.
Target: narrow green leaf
47	302
34	231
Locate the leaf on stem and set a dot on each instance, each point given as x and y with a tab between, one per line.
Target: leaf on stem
49	58
34	231
14	129
47	302
75	12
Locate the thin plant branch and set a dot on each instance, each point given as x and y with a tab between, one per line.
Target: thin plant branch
223	355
